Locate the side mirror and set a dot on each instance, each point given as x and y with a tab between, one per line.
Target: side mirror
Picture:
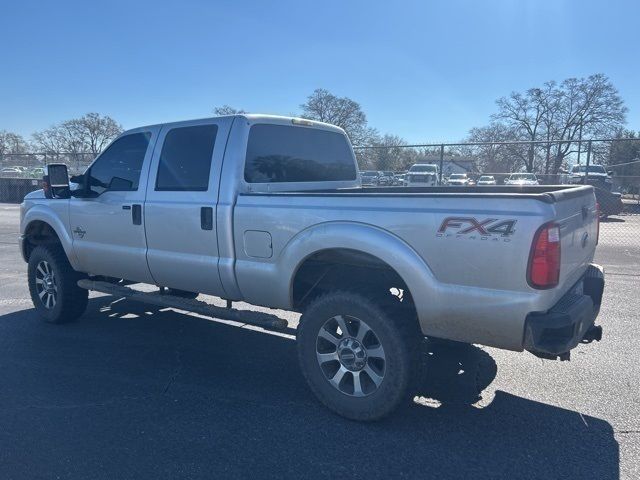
56	181
610	173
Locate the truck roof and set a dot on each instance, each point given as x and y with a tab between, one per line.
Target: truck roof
253	118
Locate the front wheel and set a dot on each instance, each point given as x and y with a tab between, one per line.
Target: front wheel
357	359
53	285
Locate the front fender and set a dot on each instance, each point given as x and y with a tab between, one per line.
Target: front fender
56	216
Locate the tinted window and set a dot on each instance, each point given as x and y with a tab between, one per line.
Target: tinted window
185	160
119	166
278	153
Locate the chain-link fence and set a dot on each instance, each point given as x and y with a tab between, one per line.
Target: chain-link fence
612	166
22	173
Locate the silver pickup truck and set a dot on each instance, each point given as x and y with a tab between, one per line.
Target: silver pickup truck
270	211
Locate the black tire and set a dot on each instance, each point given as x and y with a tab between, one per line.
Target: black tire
181	293
70	301
398	336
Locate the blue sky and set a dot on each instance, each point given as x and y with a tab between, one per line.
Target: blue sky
425	70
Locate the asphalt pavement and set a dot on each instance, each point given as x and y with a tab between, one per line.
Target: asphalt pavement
133	391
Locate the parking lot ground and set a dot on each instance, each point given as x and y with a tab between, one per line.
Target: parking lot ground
133	391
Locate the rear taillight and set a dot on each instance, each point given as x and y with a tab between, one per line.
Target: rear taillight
543	270
598	222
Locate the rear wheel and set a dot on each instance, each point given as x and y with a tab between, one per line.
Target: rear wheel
358	360
53	285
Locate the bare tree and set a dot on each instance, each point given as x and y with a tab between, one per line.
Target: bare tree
495	157
227	110
523	114
585	107
557	116
389	155
343	112
89	133
12	143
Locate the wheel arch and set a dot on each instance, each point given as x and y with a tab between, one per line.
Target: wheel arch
368	246
40	226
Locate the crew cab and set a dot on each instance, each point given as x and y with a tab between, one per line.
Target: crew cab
270	211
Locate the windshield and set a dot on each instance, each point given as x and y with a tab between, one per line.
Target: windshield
522	176
592	169
369	174
424	168
458	176
485	178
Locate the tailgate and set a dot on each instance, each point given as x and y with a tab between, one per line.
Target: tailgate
577	215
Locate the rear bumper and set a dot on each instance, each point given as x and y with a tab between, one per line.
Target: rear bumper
554	333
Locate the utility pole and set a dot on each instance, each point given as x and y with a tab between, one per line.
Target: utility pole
586	173
441	162
579	141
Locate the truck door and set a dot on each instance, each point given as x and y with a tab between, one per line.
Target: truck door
107	229
180	207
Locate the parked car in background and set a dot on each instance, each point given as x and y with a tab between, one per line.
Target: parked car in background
422	175
596	173
385	178
609	203
370	178
459	180
487	180
10	172
522	179
399	179
37	172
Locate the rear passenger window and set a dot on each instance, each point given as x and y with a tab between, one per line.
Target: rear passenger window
185	160
279	153
118	168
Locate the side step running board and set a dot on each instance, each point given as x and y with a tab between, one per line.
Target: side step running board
260	319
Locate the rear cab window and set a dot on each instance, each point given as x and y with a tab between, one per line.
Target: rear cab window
293	154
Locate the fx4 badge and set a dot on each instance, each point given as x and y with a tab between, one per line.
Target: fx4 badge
79	232
473	229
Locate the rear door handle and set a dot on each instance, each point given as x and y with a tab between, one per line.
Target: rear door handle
136	214
206	218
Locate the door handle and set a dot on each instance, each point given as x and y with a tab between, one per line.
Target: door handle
206	218
136	214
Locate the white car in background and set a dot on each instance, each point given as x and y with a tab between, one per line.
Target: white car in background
487	180
522	179
10	172
459	180
422	175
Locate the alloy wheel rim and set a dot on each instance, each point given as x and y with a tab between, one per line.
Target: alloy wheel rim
46	285
350	356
